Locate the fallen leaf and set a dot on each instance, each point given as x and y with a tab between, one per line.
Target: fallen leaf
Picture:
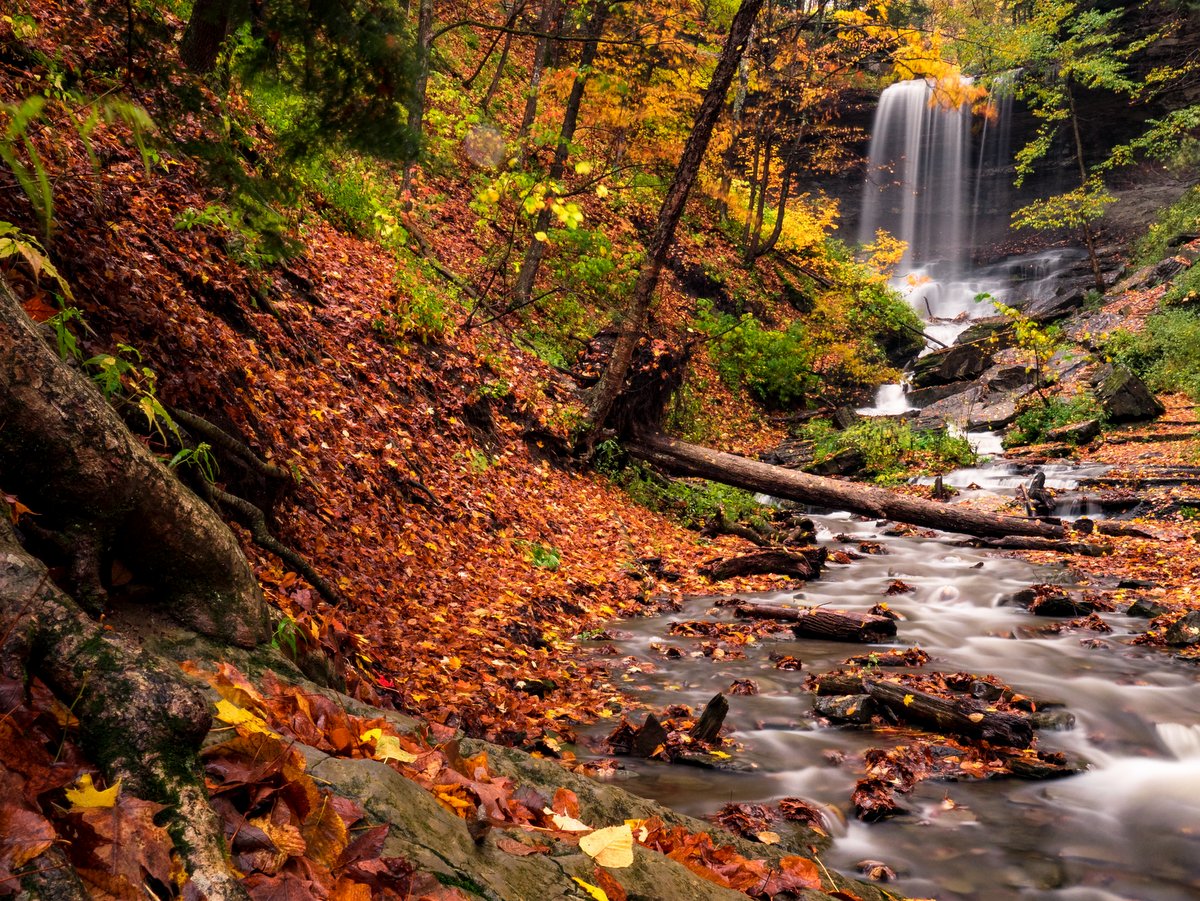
611	847
595	891
85	794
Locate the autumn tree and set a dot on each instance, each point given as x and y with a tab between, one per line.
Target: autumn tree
635	313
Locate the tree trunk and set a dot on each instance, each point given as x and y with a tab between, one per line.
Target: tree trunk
537	248
416	101
740	472
211	22
729	159
1088	237
613	379
66	453
139	717
541	55
833	625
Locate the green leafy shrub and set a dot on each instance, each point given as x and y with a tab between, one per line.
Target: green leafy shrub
1035	422
1166	353
892	451
1181	217
774	366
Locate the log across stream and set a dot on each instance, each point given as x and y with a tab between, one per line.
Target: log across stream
1127	828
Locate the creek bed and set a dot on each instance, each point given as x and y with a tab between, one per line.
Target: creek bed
1128	828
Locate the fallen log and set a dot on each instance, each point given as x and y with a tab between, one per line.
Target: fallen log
1025	543
967	717
803	564
818	622
740	472
708	727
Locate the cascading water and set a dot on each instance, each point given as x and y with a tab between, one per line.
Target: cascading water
917	175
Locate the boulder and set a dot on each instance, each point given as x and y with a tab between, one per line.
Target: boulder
923	397
1076	432
952	364
1124	396
1008	378
1066	300
1185	630
996	331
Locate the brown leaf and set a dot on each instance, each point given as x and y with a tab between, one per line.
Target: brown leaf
520	849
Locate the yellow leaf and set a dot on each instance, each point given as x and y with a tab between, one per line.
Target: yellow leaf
387	747
239	716
611	847
720	755
908	699
975	717
594	890
768	838
540	236
85	794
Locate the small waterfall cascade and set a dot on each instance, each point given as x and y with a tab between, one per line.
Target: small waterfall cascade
918	175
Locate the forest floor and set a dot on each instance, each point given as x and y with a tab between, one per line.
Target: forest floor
428	487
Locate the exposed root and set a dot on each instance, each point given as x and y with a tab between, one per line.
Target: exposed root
256	521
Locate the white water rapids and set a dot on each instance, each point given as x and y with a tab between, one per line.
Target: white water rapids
1128	828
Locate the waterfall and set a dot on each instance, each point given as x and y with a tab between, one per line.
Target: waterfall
917	180
991	196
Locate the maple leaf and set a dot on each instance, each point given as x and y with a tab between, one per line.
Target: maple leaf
85	794
121	845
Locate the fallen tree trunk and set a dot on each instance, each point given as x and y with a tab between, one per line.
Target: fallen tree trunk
803	564
967	717
740	472
833	625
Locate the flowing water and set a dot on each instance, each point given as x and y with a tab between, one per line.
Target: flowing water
1127	828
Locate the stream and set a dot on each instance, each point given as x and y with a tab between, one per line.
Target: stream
1127	828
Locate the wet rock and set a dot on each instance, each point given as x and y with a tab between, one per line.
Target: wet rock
1053	720
1124	396
1155	274
1144	608
845	462
952	364
792	453
1185	631
1069	297
849	709
923	397
995	331
1076	432
1007	378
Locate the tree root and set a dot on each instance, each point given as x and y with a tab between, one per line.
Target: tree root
222	440
140	718
256	521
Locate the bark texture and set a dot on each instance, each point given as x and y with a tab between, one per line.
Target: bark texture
66	453
692	460
140	718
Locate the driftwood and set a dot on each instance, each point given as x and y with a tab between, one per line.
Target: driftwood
832	625
803	564
740	472
838	684
967	717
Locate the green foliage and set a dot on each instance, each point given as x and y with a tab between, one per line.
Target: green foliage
419	308
348	68
892	451
1034	423
1181	217
15	243
1166	353
540	555
64	338
201	457
126	383
774	366
285	636
1039	342
246	242
27	165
